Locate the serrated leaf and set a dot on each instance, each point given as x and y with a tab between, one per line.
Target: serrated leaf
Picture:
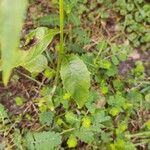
85	135
71	117
3	113
17	139
11	20
46	118
76	78
49	20
42	140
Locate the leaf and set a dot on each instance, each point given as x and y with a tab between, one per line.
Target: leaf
85	135
44	36
112	71
3	113
82	36
42	140
72	141
101	117
37	65
19	101
105	64
74	19
11	20
115	60
17	139
86	122
147	97
76	78
33	60
46	118
71	118
49	20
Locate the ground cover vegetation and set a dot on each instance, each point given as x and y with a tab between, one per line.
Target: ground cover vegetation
74	74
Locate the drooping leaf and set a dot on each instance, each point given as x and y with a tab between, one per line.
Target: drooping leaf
11	20
37	65
43	36
33	61
76	78
42	140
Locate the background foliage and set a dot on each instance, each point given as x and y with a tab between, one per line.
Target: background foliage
103	101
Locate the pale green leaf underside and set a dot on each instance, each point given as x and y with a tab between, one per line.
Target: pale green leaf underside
76	78
37	65
11	20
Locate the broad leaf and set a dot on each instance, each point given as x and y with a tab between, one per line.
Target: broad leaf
43	36
42	140
32	59
37	65
76	78
11	20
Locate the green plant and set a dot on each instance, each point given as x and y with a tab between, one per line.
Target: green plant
35	62
86	89
11	55
44	140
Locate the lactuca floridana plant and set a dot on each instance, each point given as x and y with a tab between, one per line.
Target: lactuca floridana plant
74	73
11	55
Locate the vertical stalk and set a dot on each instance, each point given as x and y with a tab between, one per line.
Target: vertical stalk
61	48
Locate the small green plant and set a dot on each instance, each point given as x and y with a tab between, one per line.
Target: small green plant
42	140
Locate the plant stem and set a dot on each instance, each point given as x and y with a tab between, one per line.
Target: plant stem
61	48
146	133
32	79
60	52
69	130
